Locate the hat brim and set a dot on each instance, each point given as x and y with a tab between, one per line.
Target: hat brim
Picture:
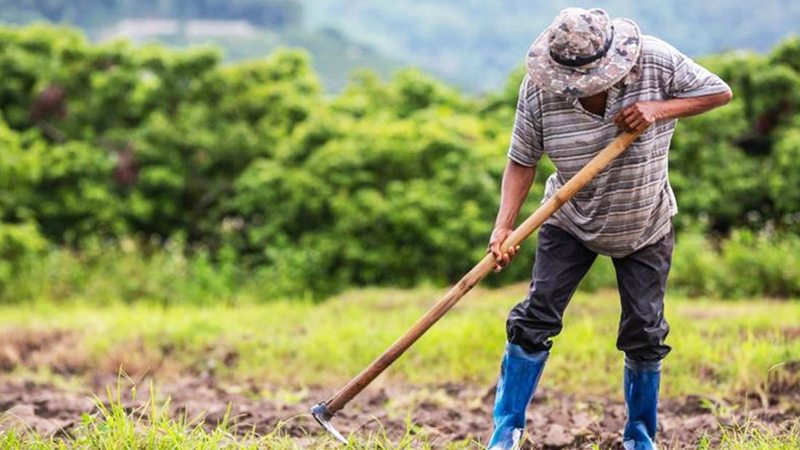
584	81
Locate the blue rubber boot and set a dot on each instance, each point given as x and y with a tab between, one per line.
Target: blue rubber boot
641	395
519	374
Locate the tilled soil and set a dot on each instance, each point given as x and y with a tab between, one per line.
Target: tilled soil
444	413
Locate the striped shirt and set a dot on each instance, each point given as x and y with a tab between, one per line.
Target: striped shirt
629	205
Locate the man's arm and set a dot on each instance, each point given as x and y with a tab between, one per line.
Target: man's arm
640	115
517	180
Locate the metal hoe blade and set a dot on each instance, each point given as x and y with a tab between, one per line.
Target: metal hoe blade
323	415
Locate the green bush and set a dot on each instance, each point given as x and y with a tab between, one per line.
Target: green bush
128	271
108	272
696	265
379	202
249	171
745	265
20	245
762	265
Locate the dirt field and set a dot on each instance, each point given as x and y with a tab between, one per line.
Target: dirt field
446	413
204	369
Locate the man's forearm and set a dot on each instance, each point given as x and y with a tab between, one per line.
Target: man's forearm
640	115
517	180
686	107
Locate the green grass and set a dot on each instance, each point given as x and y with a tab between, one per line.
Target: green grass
755	438
719	347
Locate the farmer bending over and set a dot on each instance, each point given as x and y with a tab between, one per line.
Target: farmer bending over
588	78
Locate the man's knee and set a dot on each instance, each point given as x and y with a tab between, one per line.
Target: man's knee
561	262
644	342
531	326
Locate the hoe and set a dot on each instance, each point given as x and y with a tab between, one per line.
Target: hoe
323	412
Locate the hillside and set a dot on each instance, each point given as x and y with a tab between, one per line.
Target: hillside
243	29
475	44
470	43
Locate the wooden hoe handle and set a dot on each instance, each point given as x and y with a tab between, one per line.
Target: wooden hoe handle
534	221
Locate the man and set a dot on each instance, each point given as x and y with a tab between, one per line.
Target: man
588	78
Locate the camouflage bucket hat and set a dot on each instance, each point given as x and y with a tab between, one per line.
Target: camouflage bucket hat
583	52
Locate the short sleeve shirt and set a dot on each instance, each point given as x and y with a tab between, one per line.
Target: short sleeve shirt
628	205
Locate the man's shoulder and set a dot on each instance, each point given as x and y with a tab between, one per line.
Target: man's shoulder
528	87
531	92
654	48
534	95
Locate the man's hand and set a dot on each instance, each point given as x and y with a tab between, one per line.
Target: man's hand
499	235
638	116
517	181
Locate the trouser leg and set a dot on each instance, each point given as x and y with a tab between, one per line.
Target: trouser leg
561	262
642	278
642	283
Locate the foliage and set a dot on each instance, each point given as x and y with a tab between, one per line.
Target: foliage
389	183
19	244
104	273
377	201
746	265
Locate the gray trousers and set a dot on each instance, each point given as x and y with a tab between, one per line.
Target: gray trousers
562	261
